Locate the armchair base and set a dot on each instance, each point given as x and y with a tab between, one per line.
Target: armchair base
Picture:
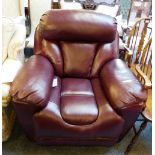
50	141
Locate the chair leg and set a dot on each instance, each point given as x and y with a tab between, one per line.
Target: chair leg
133	141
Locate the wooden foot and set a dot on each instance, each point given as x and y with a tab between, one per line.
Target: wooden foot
132	142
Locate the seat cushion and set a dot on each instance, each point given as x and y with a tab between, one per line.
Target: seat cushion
78	105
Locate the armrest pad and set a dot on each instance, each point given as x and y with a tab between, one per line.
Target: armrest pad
121	86
33	83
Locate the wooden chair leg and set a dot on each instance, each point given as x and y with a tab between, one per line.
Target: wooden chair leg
132	142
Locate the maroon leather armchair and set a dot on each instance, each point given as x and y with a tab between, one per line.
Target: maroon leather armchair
75	90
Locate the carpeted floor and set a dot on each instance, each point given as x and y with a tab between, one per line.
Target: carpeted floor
18	144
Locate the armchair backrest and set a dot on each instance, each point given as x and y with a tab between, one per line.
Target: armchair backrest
78	43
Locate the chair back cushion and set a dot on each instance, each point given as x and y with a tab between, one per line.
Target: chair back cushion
77	42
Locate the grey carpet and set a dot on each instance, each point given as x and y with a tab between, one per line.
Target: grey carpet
18	144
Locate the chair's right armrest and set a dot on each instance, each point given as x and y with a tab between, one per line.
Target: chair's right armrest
32	85
120	85
123	90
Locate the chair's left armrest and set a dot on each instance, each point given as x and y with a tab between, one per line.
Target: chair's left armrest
31	90
33	83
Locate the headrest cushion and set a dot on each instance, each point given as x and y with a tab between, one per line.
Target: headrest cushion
77	26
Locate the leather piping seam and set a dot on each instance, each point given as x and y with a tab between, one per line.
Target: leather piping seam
78	93
67	138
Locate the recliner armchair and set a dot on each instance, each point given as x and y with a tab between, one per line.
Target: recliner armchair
75	90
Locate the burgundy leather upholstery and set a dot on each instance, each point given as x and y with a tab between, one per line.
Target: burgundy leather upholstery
78	105
122	89
75	90
92	29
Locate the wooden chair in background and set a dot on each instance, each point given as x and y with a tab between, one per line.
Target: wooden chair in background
143	70
139	34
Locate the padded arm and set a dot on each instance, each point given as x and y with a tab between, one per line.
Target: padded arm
125	93
32	85
120	85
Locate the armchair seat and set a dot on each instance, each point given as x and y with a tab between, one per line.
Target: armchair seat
78	113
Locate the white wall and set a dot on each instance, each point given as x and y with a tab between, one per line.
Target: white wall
12	8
